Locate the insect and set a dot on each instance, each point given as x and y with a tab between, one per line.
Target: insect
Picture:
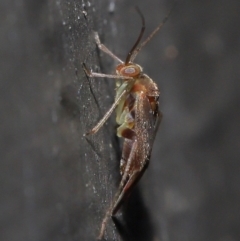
137	114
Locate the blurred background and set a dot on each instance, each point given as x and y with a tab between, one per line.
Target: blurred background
55	184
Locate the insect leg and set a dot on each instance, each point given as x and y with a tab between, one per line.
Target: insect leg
89	73
104	48
125	182
106	116
157	123
118	197
104	223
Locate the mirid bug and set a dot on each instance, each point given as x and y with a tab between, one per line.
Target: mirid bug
138	117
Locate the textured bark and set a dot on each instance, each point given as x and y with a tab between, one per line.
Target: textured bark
56	184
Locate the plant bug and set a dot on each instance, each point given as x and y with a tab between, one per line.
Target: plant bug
138	116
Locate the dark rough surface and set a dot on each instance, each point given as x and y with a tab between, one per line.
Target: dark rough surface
55	185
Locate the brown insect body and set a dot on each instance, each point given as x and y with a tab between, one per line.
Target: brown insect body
136	104
137	115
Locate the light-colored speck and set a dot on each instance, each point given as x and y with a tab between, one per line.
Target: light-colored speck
111	7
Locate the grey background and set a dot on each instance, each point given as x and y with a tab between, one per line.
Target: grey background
55	185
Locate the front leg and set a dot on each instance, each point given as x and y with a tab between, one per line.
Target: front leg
105	49
89	73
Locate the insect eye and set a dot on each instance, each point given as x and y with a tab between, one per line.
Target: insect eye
129	70
132	70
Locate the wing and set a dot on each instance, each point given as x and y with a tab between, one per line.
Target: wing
146	124
138	150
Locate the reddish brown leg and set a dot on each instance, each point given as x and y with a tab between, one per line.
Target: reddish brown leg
118	196
100	75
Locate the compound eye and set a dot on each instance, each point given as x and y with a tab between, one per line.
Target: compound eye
130	71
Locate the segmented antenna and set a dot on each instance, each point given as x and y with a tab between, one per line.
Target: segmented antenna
137	50
133	49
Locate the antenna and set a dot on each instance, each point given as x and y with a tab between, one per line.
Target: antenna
133	49
137	50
